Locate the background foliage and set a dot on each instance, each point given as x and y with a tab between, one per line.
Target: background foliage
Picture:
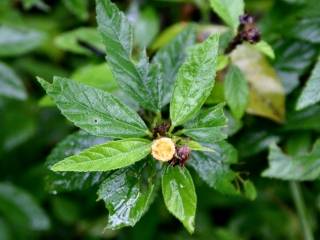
272	106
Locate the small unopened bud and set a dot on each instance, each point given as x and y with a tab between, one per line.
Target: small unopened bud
163	149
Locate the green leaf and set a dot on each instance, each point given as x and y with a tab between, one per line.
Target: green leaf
98	76
27	4
69	41
146	27
306	29
94	110
17	41
128	193
168	35
267	97
236	91
71	145
171	57
20	207
303	167
78	7
5	233
107	156
117	36
214	167
310	93
195	81
265	48
229	11
179	195
11	85
249	190
193	145
208	126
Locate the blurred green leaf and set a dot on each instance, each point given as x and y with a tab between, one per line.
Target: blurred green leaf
93	109
71	40
168	35
179	195
128	193
208	125
310	93
307	29
16	41
4	230
229	11
78	7
304	167
249	190
171	57
72	145
107	156
266	92
265	48
195	81
236	91
146	27
11	85
214	167
20	207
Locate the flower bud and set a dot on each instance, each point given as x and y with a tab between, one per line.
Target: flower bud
163	149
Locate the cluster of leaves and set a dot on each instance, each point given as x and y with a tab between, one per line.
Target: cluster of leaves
263	98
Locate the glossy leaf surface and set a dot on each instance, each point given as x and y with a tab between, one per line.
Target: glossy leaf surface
94	110
128	193
179	195
208	126
195	81
104	157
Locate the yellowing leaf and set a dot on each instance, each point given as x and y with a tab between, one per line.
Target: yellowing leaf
267	98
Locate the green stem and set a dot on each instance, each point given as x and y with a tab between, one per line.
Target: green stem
302	213
171	129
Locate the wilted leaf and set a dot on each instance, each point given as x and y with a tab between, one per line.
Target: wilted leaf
208	126
128	193
11	85
71	145
94	110
266	92
195	81
17	41
107	156
310	93
179	195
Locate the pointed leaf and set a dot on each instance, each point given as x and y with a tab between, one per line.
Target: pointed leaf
236	91
78	7
214	167
66	181
229	11
10	84
265	48
107	156
94	110
179	195
310	93
303	167
208	126
128	193
195	81
171	57
117	35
